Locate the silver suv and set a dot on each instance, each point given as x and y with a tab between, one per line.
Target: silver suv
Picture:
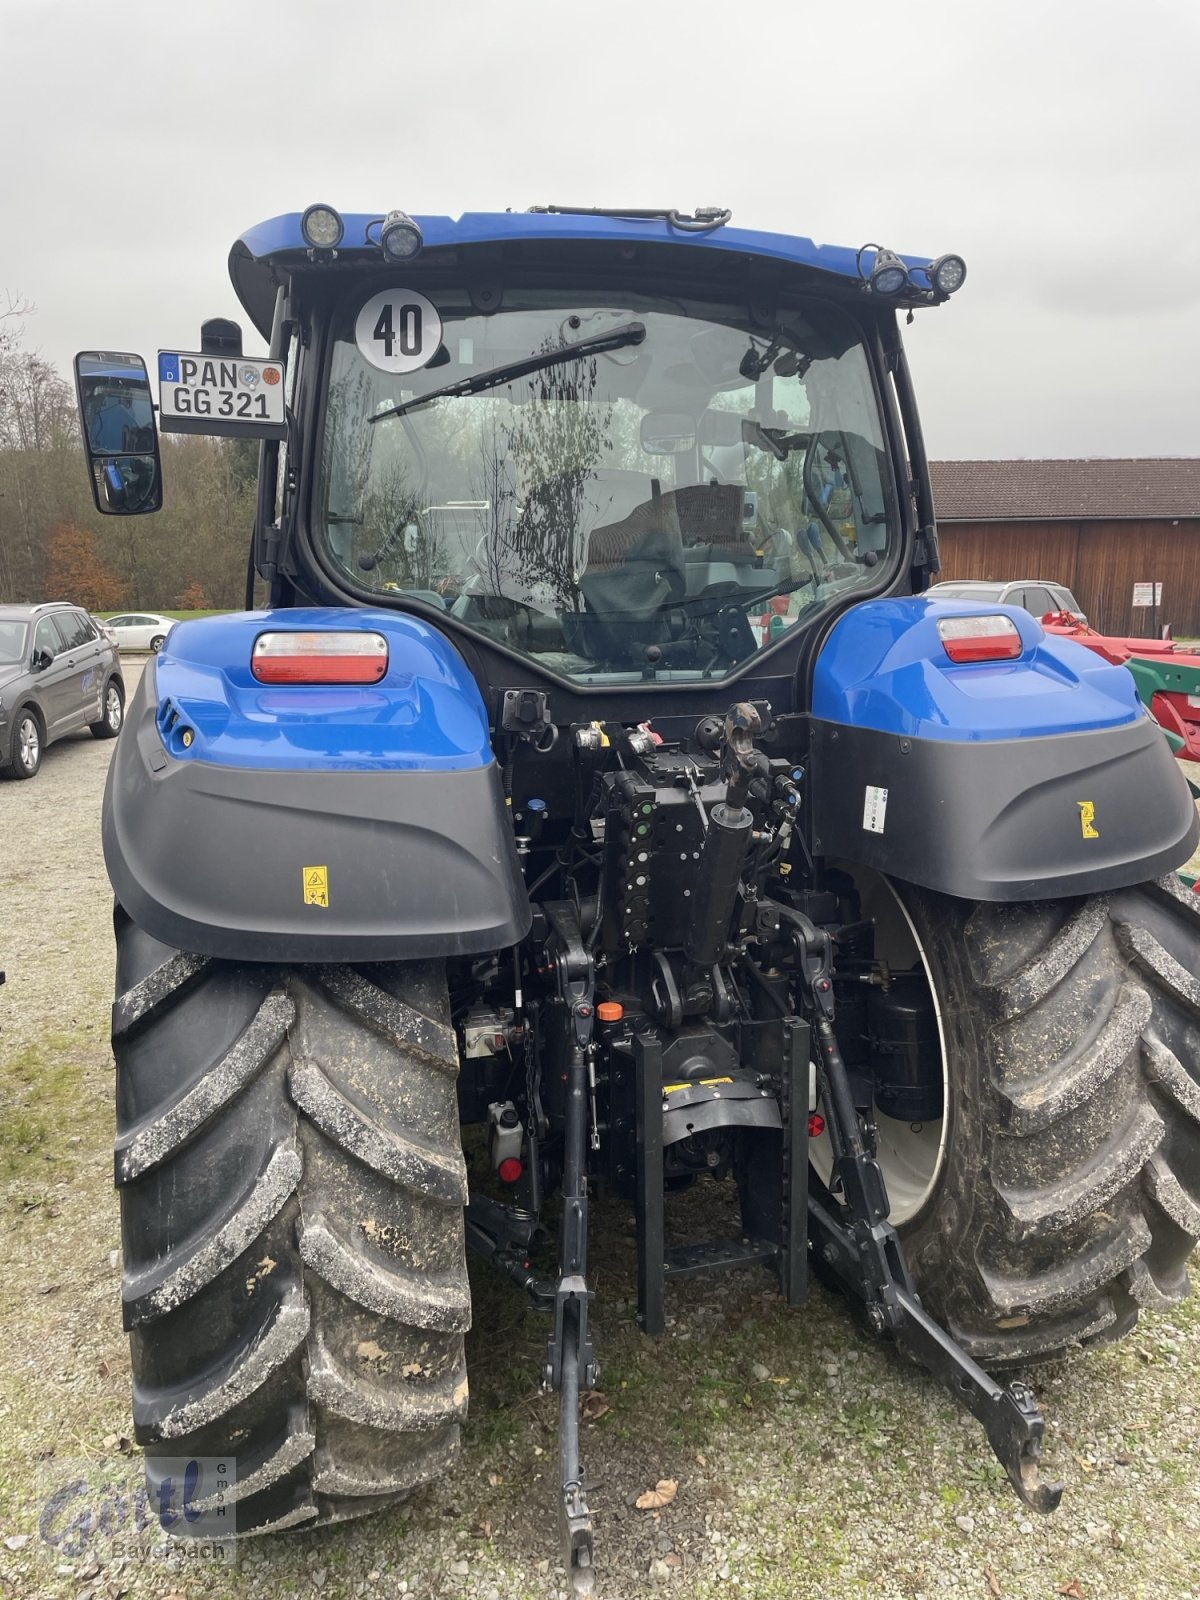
1034	594
58	675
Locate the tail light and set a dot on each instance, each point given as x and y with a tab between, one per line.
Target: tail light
321	657
980	638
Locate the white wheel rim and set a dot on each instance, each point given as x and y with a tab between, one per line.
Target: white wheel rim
113	708
910	1155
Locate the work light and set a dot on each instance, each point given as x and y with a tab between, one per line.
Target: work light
321	228
400	237
947	273
889	275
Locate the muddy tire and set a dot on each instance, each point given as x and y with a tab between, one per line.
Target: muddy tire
291	1181
1069	1192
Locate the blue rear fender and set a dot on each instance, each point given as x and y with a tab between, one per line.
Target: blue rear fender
1029	778
309	822
884	667
425	715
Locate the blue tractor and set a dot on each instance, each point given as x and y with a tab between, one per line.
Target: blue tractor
599	780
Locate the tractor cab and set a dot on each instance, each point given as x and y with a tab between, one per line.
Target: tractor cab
615	451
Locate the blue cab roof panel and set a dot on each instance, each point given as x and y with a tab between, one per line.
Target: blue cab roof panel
281	235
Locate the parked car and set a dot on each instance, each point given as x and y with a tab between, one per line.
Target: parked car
141	630
58	675
1034	594
107	631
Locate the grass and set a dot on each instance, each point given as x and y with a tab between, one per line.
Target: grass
178	616
44	1100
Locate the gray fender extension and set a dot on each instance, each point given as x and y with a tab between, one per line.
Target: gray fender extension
218	860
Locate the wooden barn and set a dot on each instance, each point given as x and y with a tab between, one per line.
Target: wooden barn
1100	527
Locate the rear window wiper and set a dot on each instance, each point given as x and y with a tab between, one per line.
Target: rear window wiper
597	344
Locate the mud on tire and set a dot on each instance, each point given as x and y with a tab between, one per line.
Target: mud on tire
1070	1193
292	1182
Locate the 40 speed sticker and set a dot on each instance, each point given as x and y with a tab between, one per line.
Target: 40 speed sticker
398	330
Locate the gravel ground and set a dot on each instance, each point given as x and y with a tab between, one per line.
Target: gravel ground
809	1461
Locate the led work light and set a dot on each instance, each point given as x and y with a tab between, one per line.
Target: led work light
400	238
321	228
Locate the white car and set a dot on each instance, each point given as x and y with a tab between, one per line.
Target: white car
141	630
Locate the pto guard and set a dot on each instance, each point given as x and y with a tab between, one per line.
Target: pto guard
1028	779
344	822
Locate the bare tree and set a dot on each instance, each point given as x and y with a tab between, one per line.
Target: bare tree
36	406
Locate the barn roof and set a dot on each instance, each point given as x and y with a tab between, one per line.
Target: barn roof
1144	489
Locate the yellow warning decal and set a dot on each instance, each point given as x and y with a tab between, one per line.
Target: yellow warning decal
674	1088
1087	819
316	886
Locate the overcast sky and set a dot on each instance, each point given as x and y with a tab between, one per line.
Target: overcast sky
1055	145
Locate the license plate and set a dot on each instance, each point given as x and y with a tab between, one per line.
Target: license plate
243	397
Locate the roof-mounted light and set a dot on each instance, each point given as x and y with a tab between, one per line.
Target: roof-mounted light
889	275
399	237
321	228
325	656
947	274
992	638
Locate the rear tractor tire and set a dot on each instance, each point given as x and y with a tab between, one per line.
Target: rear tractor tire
292	1182
1065	1193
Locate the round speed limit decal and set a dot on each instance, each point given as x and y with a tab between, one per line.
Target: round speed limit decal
398	330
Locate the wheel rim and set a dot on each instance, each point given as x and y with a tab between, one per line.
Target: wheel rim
29	743
157	643
911	1155
112	708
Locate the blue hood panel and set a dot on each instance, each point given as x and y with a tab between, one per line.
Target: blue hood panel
425	715
884	667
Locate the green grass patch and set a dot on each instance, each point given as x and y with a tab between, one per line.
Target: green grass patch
178	616
44	1100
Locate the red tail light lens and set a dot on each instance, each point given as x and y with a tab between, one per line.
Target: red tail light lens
319	657
980	638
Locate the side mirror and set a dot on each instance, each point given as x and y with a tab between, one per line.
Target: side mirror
41	660
119	435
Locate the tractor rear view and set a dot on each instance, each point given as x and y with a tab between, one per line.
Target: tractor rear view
598	783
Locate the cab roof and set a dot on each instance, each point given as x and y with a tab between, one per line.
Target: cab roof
252	259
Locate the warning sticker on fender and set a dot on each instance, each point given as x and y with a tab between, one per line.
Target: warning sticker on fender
874	809
316	886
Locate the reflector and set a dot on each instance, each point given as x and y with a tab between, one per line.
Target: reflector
980	638
319	657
